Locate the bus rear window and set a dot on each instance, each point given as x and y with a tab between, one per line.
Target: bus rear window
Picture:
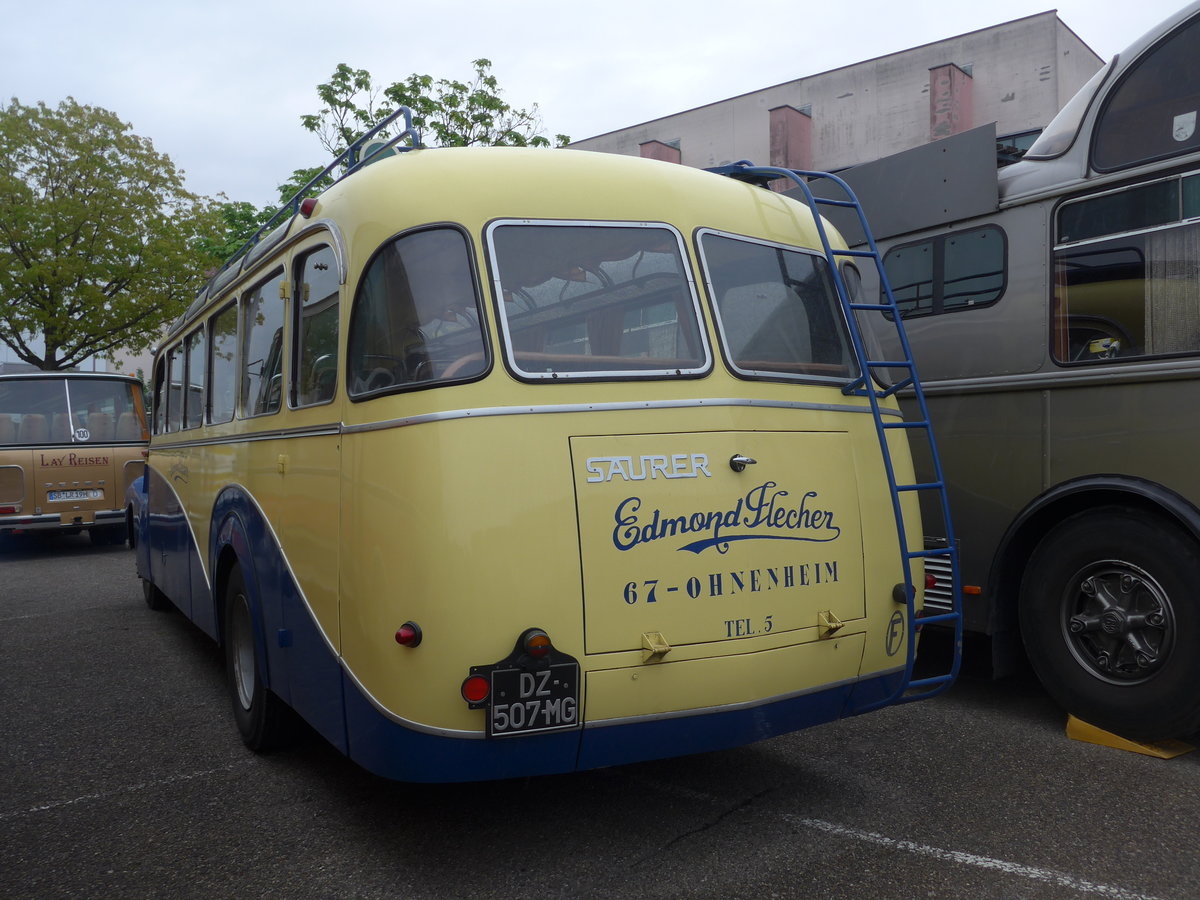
68	411
777	309
595	300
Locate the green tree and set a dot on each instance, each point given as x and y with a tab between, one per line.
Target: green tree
448	113
100	244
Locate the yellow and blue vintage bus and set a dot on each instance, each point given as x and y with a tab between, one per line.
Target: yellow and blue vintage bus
70	445
491	462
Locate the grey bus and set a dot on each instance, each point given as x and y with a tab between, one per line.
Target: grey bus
1053	307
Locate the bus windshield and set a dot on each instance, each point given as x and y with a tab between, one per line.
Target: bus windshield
68	410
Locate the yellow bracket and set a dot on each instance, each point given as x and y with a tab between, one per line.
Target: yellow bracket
654	647
828	624
1079	730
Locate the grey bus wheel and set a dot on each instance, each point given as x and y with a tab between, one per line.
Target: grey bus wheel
263	720
1110	617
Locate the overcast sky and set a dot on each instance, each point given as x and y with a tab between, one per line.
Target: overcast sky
220	85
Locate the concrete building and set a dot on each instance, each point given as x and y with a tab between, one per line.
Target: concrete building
1017	74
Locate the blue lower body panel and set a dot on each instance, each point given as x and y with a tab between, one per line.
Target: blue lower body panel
392	750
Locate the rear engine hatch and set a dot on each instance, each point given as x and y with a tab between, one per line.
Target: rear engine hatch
682	538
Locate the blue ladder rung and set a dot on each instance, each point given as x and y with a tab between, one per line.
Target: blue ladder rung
926	554
930	682
895	388
889	364
927	486
937	620
829	201
921	424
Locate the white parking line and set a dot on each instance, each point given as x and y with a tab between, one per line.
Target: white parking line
127	789
1048	876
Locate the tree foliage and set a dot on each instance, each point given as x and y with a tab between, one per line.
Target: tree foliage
449	113
100	244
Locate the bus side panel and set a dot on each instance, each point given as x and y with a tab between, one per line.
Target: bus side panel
302	666
169	543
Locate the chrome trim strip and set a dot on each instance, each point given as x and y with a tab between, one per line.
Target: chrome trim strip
1173	369
607	407
328	429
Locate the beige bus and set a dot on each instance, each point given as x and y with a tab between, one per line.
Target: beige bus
70	443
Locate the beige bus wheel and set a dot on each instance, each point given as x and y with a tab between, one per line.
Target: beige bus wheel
1110	616
263	720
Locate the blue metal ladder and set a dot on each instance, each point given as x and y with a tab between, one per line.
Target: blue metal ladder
866	385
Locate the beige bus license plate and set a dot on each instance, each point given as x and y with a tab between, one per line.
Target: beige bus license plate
92	494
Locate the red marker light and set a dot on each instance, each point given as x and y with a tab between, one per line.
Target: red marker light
930	581
537	643
307	205
476	689
408	634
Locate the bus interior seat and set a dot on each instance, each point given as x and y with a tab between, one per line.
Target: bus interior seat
100	424
60	428
128	428
8	430
33	429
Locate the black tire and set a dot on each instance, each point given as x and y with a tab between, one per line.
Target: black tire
155	599
106	535
1110	616
263	720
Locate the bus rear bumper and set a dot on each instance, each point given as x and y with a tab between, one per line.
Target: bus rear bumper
391	750
58	522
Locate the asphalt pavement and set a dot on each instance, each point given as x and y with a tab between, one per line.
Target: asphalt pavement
122	776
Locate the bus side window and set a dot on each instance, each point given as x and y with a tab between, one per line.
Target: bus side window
416	317
222	365
262	348
193	406
959	270
175	388
315	329
1133	296
160	397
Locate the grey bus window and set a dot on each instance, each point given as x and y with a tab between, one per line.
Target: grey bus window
262	348
1191	197
315	328
591	300
193	405
960	270
175	359
777	309
1057	138
1130	297
222	365
910	273
416	318
1144	206
1151	113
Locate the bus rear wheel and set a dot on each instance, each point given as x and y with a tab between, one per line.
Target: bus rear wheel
1110	616
263	720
